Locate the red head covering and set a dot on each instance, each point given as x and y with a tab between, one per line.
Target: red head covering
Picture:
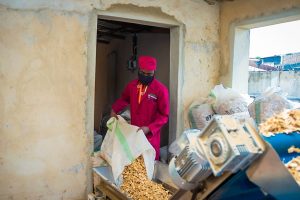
147	63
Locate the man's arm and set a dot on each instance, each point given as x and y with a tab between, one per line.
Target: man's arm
162	114
122	102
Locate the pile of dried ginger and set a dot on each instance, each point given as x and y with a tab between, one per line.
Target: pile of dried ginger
137	185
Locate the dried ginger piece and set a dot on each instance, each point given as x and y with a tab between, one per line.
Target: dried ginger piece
285	122
293	149
137	185
294	168
295	118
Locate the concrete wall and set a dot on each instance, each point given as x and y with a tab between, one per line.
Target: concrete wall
47	70
253	13
288	81
44	143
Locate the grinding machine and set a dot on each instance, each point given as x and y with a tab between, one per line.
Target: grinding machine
228	159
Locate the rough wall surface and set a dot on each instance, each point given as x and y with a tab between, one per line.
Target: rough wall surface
43	146
43	87
239	11
288	81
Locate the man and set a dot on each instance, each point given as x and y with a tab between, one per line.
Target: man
148	100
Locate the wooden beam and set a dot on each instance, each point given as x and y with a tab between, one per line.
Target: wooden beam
102	41
111	35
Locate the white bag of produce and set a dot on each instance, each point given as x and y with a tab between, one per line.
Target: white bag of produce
200	114
123	144
272	101
227	101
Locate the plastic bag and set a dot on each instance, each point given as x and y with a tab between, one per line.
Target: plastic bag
271	102
123	144
227	101
200	114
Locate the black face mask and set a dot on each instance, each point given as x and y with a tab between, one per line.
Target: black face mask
145	80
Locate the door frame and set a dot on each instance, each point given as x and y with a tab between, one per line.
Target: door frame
176	62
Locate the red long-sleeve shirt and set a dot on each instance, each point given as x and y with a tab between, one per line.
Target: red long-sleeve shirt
153	111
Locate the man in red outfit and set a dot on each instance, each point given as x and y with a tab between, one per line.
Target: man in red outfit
148	100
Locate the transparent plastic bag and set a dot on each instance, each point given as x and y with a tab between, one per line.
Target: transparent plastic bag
227	101
272	101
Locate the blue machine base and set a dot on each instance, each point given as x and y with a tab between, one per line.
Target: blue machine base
239	187
281	143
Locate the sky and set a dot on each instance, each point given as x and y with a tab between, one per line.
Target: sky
275	40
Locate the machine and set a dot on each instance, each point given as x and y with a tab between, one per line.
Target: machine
229	153
228	159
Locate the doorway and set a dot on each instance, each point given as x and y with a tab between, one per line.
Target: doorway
118	44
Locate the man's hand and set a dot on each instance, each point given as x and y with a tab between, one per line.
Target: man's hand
113	114
145	129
